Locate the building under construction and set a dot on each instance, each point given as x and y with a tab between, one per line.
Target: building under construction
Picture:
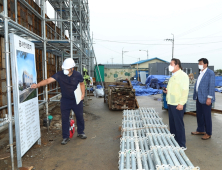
26	19
65	35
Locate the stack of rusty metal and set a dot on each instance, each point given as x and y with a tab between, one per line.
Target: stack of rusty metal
120	96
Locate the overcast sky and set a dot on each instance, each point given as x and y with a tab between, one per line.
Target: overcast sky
144	24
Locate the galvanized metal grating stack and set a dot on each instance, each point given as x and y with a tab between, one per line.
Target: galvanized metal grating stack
147	144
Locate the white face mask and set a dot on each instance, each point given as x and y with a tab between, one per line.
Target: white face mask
171	68
66	72
200	67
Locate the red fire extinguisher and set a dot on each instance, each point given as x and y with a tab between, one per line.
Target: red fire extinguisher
71	128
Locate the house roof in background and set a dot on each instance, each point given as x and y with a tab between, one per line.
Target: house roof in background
143	61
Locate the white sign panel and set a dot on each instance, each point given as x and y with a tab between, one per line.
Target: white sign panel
26	106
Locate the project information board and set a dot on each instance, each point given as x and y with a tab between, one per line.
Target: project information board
26	108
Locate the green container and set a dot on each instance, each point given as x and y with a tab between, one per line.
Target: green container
96	73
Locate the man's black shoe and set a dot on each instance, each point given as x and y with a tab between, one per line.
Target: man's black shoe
82	136
65	141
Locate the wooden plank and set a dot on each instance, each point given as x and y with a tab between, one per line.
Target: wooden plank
110	100
4	156
137	104
53	32
216	110
0	56
130	83
18	9
33	23
1	7
39	28
12	6
19	12
3	55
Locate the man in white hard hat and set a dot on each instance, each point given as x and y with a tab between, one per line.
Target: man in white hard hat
68	80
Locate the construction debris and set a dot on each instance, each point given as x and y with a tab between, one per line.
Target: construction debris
4	156
26	168
120	96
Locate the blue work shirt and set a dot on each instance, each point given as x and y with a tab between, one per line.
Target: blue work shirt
68	84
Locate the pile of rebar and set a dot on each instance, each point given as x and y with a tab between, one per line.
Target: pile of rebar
147	144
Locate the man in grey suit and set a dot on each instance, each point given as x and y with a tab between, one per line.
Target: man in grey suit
204	94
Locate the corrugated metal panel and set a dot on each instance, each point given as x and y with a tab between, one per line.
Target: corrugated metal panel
162	68
97	75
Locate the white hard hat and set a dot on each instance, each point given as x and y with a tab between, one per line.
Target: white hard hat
68	63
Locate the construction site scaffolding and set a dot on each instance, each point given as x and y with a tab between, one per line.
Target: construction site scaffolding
70	15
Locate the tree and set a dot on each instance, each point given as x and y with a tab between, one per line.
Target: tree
219	71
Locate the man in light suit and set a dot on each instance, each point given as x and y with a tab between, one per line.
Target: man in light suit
204	94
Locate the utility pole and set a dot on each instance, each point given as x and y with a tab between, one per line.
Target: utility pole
138	70
123	53
112	60
172	40
146	52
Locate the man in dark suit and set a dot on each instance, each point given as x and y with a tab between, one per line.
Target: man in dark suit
204	94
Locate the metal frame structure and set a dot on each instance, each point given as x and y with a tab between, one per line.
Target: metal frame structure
70	15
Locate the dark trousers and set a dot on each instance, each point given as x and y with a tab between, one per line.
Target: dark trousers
66	106
204	120
177	124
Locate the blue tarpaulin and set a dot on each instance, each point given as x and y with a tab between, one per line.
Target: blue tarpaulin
99	87
218	90
144	90
160	78
218	81
154	84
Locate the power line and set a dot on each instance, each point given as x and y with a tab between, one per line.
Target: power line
111	41
126	42
199	37
198	53
177	38
194	39
202	52
212	20
114	50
